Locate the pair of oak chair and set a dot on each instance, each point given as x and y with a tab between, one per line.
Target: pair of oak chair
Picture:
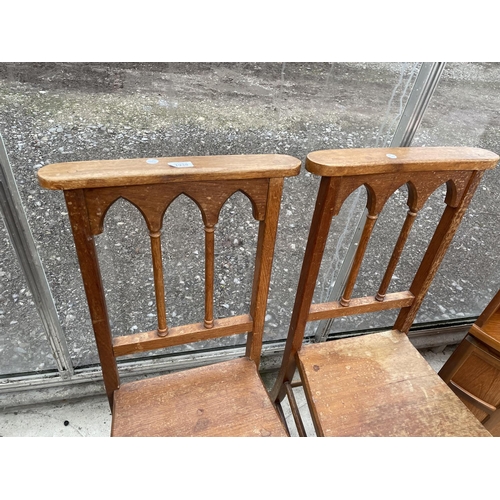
376	384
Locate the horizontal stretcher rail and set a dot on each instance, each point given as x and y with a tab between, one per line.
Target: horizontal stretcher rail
361	305
146	341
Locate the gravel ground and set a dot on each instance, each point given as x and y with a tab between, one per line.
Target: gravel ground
74	111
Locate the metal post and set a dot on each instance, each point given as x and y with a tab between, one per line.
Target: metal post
420	96
31	265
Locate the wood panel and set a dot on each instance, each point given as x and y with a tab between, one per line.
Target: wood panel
226	399
379	385
102	173
489	334
473	373
349	162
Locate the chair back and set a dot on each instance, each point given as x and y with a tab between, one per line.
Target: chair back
382	171
151	185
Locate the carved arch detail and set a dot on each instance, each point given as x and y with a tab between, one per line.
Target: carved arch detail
420	186
153	200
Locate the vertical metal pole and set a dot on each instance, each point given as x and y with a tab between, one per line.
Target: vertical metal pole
420	96
31	265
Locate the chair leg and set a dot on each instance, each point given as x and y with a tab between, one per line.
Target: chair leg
295	410
281	414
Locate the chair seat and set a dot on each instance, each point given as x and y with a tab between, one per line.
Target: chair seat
225	399
380	385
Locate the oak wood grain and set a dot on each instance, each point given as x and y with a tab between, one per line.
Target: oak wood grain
489	333
380	187
94	290
340	162
185	334
159	283
263	267
438	246
379	385
209	276
102	173
153	200
361	305
223	400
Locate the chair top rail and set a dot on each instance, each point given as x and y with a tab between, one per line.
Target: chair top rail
138	171
352	162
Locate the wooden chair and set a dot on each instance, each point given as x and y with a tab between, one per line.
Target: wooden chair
378	384
225	399
473	370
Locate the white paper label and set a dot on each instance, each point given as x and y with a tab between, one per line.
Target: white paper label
181	164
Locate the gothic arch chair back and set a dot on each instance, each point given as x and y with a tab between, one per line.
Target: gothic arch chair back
223	399
378	384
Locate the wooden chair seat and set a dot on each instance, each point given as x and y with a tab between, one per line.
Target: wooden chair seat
380	385
226	399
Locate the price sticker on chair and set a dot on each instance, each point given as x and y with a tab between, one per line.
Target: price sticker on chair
181	164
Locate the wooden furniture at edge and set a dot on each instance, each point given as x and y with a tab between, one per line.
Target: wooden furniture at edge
473	370
223	399
378	384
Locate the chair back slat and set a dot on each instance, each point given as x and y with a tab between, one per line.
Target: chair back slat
358	259
396	255
156	256
379	189
209	276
